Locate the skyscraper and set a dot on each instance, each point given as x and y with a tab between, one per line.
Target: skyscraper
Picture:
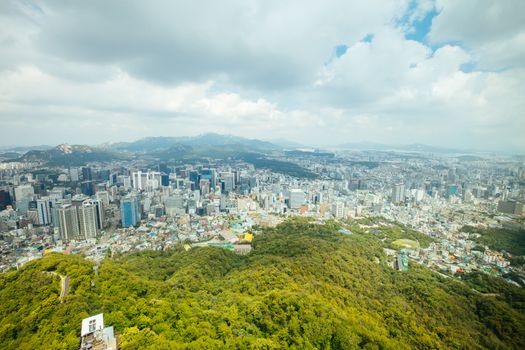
211	175
296	198
398	193
74	174
5	199
338	209
129	211
23	195
87	174
87	219
87	188
228	182
68	222
44	211
136	179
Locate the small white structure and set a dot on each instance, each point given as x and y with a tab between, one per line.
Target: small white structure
95	337
92	324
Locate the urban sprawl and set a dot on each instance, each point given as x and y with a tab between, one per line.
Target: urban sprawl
125	206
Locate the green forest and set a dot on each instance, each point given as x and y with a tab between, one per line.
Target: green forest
304	286
512	241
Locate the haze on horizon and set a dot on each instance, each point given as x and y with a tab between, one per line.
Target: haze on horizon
444	73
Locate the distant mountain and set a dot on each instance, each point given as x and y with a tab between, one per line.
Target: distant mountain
151	144
6	155
416	147
181	151
24	149
65	154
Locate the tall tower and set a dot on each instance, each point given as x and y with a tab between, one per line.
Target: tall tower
44	211
87	218
129	211
68	222
398	193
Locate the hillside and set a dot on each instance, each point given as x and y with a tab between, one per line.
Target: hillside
500	239
305	286
150	144
67	155
180	152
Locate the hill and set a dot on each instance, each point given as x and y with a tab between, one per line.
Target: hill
66	155
500	239
152	144
304	286
180	152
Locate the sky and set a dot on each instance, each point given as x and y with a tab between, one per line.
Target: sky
444	73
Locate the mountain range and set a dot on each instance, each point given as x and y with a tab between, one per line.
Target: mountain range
149	144
169	149
205	146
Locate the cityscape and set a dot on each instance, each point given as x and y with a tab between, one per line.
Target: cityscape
262	175
145	203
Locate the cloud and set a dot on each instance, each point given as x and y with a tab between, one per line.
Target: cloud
324	73
493	30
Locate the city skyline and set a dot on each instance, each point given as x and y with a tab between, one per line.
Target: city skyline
401	72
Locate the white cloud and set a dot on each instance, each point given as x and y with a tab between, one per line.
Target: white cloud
493	30
89	72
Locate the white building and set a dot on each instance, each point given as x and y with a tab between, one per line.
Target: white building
296	199
87	219
94	336
338	210
68	222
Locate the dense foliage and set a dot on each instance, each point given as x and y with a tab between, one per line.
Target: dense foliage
512	241
389	232
304	286
278	166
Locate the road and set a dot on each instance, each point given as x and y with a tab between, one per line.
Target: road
64	284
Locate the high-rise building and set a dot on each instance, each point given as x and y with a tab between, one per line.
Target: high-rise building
228	182
296	199
194	177
164	179
338	210
103	175
153	181
211	176
43	208
87	174
130	211
103	196
68	222
87	219
24	192
398	193
137	180
510	207
87	188
174	204
148	181
5	199
23	195
74	174
204	185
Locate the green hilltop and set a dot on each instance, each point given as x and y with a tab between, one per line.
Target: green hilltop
304	286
